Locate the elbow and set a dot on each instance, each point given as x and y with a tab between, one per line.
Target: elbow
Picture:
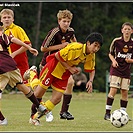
56	56
109	54
42	49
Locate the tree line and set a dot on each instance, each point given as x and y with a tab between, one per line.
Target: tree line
37	18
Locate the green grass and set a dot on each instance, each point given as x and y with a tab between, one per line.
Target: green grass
88	110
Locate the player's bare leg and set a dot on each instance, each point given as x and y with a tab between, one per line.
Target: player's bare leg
49	104
64	114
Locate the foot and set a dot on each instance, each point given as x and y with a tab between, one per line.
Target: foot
3	122
49	117
26	75
35	122
42	110
107	117
66	115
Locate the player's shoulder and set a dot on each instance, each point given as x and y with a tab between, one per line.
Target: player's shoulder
6	38
55	30
15	26
117	39
70	29
76	45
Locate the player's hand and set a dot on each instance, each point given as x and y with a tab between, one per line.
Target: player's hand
73	70
115	64
129	60
33	51
13	54
89	87
63	45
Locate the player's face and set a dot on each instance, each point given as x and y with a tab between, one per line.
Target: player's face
6	19
127	31
92	48
64	24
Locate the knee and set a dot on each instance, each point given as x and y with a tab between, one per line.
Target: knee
71	82
110	96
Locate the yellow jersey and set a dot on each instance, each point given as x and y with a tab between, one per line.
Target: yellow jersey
74	54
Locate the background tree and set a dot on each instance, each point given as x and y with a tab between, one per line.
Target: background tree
37	18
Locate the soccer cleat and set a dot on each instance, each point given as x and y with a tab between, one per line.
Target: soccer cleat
26	75
3	122
42	110
107	117
66	115
35	122
49	117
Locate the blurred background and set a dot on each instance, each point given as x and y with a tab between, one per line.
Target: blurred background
37	18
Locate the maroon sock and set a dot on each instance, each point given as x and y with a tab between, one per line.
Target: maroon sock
1	116
123	103
33	107
32	98
66	101
110	103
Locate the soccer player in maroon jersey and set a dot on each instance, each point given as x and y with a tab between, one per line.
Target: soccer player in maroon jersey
17	52
57	39
121	55
10	74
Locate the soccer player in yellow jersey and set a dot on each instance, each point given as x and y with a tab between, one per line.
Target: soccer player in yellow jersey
62	64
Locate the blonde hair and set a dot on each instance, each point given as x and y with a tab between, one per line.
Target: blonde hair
7	11
64	14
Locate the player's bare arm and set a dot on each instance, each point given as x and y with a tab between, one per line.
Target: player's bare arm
55	47
73	39
19	51
129	60
32	50
72	69
89	86
114	62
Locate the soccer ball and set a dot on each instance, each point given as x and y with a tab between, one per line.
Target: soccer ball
119	118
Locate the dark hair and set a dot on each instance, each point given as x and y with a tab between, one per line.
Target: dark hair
1	28
127	23
1	23
95	37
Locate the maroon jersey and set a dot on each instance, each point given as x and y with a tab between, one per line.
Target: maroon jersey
55	37
121	50
7	63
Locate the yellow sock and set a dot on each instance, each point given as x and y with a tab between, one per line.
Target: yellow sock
49	105
32	75
34	83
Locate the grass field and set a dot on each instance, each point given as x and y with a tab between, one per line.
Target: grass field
88	110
